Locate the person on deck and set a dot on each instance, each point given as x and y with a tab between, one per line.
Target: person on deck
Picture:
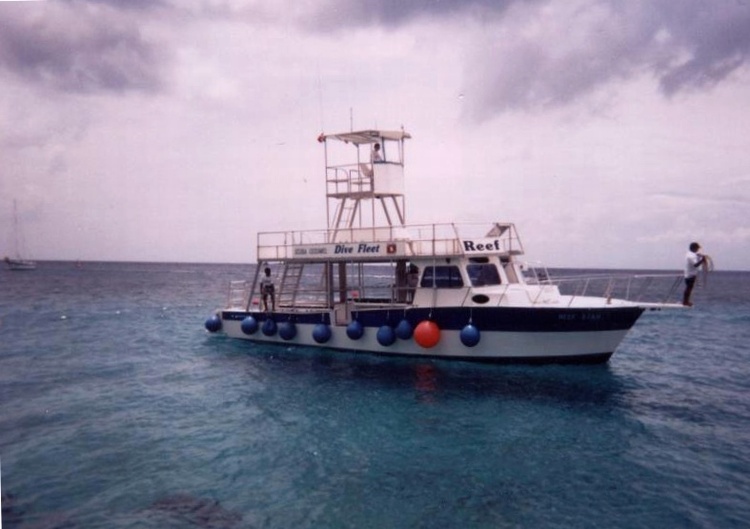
693	262
267	289
412	280
377	156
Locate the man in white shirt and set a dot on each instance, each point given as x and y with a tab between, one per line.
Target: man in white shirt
267	289
693	261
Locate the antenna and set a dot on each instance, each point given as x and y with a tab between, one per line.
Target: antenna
320	97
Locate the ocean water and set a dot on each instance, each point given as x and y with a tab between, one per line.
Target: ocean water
118	410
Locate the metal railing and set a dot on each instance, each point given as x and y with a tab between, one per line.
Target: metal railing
636	288
419	240
239	293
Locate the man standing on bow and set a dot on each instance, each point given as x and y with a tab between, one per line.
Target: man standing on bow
693	262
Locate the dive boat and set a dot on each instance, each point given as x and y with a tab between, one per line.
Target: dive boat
371	282
19	264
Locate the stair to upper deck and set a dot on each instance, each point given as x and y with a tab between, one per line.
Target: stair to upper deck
290	283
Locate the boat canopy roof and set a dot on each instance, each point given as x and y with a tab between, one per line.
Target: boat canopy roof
367	136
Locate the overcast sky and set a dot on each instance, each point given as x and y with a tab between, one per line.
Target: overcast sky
612	133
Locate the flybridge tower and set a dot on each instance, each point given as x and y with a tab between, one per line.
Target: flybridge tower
364	181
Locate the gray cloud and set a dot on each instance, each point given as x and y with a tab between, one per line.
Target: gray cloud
682	45
713	37
522	54
137	5
546	53
78	47
393	13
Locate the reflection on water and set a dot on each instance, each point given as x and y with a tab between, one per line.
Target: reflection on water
433	379
425	383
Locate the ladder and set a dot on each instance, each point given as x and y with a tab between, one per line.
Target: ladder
290	282
239	294
346	211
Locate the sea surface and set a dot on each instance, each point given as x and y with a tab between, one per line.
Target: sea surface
118	410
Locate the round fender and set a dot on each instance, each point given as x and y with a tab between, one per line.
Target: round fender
287	330
427	334
404	330
355	330
321	333
269	327
213	324
470	335
249	325
386	336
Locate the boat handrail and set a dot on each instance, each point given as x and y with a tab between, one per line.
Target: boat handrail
633	287
239	294
345	179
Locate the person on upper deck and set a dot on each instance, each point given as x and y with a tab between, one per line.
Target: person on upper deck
693	261
376	155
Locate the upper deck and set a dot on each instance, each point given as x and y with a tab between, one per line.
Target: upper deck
367	215
390	243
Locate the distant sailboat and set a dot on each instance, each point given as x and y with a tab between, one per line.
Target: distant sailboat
17	262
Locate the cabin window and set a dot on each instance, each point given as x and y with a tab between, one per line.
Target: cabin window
483	275
443	276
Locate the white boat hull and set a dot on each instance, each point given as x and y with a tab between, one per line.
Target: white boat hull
590	343
20	264
496	346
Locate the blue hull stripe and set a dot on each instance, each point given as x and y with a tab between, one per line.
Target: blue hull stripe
501	319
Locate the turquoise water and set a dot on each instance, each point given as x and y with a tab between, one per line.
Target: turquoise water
118	410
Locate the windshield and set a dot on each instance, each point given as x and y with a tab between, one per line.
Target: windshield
482	275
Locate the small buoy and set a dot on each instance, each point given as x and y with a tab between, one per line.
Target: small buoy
355	330
269	327
287	330
213	324
470	335
321	333
404	330
427	334
249	325
386	336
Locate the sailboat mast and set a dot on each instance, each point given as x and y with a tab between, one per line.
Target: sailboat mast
17	252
